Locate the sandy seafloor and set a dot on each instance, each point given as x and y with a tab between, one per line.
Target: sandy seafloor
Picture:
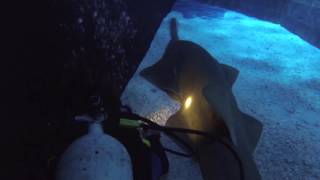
279	84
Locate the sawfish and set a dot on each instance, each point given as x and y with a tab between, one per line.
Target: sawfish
191	75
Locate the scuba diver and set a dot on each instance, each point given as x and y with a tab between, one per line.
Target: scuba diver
209	126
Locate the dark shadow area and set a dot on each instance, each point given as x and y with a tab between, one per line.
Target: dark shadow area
59	54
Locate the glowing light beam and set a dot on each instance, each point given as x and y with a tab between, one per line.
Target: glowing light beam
188	102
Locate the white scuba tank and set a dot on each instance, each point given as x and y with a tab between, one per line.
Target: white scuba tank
95	156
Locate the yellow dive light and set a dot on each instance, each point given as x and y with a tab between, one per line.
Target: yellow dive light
188	102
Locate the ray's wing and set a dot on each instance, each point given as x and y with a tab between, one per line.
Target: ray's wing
162	75
245	131
231	73
253	130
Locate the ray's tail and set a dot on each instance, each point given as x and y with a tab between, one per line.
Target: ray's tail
174	29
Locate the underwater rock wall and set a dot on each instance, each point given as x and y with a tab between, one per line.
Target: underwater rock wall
270	9
303	18
299	16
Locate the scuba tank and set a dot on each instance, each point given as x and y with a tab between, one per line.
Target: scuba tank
95	156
